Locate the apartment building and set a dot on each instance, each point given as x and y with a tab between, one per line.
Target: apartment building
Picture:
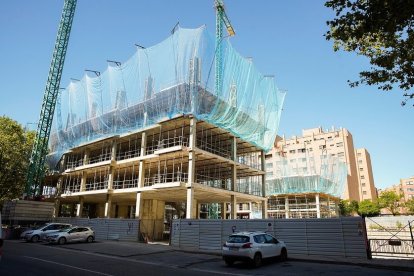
367	188
318	145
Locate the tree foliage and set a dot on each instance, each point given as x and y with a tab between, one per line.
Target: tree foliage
409	204
390	200
382	31
347	208
15	148
368	208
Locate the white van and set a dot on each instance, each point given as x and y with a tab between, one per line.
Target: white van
39	233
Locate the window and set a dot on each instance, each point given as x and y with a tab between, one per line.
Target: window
364	192
292	160
359	154
310	149
292	151
363	184
269	165
359	161
341	154
410	182
340	144
410	189
361	169
260	239
303	159
322	147
362	177
301	150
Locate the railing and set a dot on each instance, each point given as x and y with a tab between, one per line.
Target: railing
166	178
101	185
99	158
167	143
129	154
392	248
125	184
223	152
74	164
69	189
213	181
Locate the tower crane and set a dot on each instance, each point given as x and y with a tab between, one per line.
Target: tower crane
221	18
40	147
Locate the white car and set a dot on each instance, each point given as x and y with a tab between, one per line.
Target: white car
73	234
252	247
39	233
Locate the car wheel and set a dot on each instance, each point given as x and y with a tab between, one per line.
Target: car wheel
283	255
61	240
89	239
35	238
257	260
228	261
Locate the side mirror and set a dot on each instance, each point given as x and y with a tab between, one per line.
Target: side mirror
275	241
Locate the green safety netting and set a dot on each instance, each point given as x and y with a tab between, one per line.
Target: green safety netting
308	174
174	77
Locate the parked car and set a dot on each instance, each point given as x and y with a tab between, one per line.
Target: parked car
73	234
252	247
38	233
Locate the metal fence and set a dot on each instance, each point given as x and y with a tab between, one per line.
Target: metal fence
333	237
107	229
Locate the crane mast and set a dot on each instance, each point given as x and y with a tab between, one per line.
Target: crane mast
221	18
37	160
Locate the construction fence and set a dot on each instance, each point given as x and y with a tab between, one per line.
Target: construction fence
107	229
332	237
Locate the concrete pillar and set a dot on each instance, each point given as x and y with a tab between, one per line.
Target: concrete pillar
138	206
287	207
113	150
111	178
262	161
63	163
233	207
108	206
86	157
224	210
318	206
143	144
190	212
83	182
264	209
329	208
141	169
79	207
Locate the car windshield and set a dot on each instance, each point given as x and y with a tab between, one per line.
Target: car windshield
238	239
66	230
38	227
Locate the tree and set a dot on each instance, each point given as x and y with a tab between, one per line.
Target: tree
382	31
409	204
390	200
15	148
347	208
367	208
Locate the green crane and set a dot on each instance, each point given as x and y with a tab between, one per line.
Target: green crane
40	147
221	18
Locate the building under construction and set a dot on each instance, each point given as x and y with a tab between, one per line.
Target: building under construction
169	132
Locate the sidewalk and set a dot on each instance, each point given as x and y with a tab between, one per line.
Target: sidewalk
142	250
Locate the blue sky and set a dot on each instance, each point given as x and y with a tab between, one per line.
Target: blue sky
285	38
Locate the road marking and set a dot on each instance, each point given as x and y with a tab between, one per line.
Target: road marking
75	267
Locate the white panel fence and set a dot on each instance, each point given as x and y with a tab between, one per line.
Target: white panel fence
335	237
107	229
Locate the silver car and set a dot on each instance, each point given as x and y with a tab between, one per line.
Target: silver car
252	247
73	234
38	233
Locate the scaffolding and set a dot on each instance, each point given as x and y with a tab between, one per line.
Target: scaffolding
170	79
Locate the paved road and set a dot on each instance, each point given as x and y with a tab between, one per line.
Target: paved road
111	258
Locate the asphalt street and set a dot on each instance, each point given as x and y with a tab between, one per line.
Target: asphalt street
112	258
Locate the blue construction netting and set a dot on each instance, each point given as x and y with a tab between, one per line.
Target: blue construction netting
309	174
172	78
